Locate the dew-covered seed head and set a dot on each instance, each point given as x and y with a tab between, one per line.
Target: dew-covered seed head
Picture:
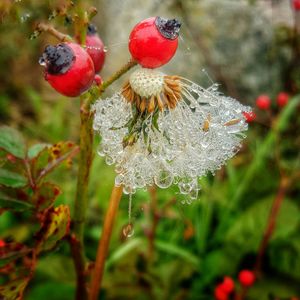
57	59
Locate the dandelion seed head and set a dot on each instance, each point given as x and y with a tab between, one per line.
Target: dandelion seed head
192	132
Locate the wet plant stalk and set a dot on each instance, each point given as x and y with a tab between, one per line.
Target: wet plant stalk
81	201
104	241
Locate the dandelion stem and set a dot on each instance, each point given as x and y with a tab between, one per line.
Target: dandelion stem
104	241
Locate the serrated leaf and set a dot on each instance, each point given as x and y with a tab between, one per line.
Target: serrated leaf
36	149
51	157
12	141
14	290
11	201
45	195
11	179
248	229
55	227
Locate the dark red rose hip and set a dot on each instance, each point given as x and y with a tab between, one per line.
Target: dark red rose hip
69	69
95	47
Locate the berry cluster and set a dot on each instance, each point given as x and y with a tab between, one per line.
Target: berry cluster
70	69
225	289
263	102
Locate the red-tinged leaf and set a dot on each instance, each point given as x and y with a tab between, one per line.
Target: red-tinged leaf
14	199
12	251
51	157
13	290
45	195
12	142
55	226
12	179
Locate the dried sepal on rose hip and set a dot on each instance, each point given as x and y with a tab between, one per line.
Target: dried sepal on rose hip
95	47
68	68
153	41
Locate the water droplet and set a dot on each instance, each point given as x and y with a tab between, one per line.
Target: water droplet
105	49
42	62
128	230
164	179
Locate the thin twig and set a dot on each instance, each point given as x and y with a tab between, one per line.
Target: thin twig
42	27
104	241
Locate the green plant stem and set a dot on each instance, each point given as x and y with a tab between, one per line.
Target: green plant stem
104	241
81	200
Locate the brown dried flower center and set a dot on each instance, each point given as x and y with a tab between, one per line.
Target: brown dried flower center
148	89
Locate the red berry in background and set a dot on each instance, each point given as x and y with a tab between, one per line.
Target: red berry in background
98	80
249	116
282	99
246	278
220	294
95	47
227	285
153	42
263	102
2	243
69	68
296	4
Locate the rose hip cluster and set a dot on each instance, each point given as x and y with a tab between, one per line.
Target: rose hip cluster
263	102
71	69
226	289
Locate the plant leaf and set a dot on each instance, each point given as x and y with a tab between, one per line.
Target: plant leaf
246	231
11	179
55	227
14	290
12	141
9	200
45	195
11	252
51	157
36	149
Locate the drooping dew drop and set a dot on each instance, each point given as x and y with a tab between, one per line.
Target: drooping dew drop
105	49
42	62
128	230
164	178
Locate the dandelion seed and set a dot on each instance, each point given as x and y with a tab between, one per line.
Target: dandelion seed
166	130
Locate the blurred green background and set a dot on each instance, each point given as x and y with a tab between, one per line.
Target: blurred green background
177	251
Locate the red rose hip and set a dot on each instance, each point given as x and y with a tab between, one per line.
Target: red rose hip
69	68
246	278
296	4
95	47
153	42
249	116
282	99
263	102
227	285
220	294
